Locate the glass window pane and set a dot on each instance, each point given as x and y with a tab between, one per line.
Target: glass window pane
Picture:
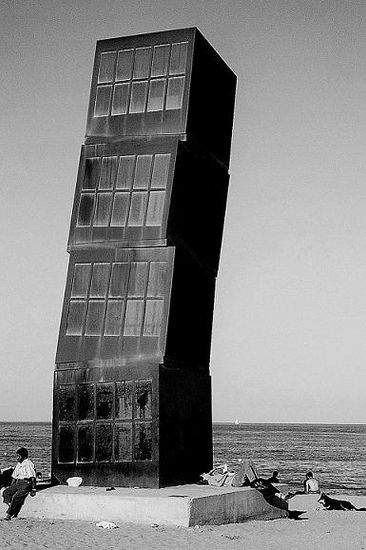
143	172
160	60
106	67
66	448
85	444
108	173
85	401
120	209
125	172
124	394
160	171
178	58
94	318
86	209
113	319
104	443
138	279
143	441
92	172
174	98
157	279
133	318
138	97
155	208
102	100
142	62
137	209
103	209
143	394
120	99
67	400
123	443
156	97
75	318
153	317
117	287
81	279
104	401
100	280
124	65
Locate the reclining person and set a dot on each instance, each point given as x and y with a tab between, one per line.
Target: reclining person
274	497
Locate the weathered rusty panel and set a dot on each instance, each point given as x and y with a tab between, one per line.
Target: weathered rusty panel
115	423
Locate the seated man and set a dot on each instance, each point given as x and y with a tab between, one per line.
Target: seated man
23	483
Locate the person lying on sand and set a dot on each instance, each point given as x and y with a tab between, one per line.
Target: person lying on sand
274	497
245	473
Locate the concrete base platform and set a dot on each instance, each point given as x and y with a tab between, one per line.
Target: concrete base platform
184	505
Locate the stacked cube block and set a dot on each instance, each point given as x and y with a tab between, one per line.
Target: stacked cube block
132	389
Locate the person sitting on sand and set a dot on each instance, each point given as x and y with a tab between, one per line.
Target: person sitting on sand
274	477
23	483
311	485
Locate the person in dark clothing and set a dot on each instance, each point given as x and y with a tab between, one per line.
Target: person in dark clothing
274	477
272	496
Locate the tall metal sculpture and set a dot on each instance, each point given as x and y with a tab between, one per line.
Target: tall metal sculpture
132	389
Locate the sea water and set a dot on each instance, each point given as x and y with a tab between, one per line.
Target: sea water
335	453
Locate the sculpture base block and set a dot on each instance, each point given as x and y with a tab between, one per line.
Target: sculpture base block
183	505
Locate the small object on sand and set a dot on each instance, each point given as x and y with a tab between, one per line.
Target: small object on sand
74	481
106	525
110	489
154	525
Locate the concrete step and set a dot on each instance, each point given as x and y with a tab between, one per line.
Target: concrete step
184	505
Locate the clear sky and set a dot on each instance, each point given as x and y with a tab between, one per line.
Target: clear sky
289	338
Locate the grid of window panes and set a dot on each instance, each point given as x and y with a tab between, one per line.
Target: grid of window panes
105	422
117	299
124	191
138	80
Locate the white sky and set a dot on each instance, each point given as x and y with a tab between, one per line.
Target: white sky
290	319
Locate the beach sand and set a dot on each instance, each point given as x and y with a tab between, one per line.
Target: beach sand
320	529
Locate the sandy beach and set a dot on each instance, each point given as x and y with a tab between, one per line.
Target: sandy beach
320	529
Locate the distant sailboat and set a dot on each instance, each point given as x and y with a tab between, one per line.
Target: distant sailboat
236	422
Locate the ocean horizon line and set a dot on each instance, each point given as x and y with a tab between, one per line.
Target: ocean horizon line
234	422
